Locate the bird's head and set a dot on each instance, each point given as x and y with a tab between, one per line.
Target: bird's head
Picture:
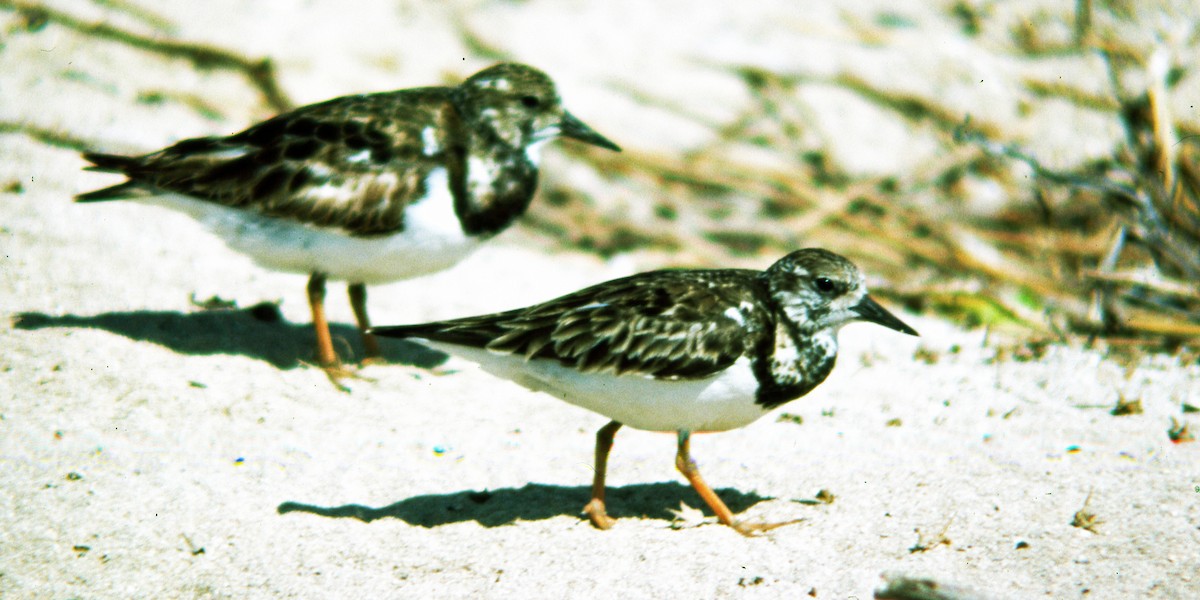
818	290
520	106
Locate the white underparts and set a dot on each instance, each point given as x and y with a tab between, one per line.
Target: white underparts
717	403
432	238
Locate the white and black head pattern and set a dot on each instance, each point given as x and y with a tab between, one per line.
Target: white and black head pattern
518	106
816	289
814	293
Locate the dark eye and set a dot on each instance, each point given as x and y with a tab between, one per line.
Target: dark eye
825	284
530	101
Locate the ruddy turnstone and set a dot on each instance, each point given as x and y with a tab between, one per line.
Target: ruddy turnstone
674	350
367	189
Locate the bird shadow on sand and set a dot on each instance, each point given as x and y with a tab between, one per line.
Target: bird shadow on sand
535	501
257	332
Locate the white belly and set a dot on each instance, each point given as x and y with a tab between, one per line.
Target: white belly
718	403
432	239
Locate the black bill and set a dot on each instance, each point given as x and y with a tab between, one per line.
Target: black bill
576	129
870	310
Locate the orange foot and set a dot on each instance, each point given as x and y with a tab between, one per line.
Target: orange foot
598	515
373	360
754	529
338	372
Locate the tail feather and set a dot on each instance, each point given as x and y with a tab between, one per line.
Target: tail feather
112	163
109	163
435	332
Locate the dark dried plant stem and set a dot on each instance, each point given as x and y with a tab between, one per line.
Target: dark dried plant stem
259	72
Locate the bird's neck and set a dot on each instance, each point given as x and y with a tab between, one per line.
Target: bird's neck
793	363
492	180
492	186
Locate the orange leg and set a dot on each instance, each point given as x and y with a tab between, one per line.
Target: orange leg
687	466
595	508
326	358
358	301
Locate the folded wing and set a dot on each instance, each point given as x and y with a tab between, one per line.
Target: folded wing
352	163
657	324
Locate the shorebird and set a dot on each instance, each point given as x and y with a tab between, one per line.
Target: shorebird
367	189
683	351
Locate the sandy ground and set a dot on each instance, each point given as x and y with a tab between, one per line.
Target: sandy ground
152	449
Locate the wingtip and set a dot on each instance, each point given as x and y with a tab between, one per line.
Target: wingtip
114	192
392	331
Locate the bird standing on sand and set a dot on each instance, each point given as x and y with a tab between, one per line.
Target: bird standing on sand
674	350
367	189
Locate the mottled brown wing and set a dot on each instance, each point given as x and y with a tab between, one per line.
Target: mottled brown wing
666	324
352	163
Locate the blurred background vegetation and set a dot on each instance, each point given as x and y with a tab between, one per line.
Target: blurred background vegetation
1103	251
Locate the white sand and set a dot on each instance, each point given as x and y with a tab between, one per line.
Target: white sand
147	448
